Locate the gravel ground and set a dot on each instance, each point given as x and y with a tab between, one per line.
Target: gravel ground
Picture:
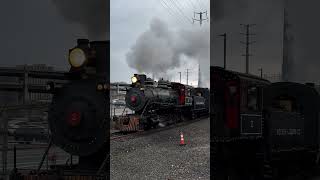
159	156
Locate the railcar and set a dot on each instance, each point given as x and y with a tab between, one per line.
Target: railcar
261	129
236	122
291	125
237	104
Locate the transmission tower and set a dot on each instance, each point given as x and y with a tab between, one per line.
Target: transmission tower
200	17
247	43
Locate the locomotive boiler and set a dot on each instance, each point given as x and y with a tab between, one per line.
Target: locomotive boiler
145	94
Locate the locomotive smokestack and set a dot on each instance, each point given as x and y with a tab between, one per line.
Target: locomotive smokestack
102	54
82	42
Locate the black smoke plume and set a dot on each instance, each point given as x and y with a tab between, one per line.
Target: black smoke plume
93	15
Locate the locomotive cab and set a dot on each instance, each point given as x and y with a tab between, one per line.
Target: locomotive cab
292	117
236	122
237	105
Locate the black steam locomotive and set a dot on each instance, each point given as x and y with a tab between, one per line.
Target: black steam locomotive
261	129
78	115
161	103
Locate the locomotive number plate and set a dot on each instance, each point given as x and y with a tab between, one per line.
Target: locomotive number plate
251	124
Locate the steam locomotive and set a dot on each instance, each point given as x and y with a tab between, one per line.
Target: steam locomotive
78	114
261	129
161	103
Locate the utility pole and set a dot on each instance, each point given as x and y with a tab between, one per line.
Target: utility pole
4	139
287	44
188	76
180	76
224	50
261	71
247	43
200	17
199	77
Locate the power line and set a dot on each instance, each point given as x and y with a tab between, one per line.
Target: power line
173	2
175	10
187	5
165	6
182	5
204	4
172	12
192	4
199	4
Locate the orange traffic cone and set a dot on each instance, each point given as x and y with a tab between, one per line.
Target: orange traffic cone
181	139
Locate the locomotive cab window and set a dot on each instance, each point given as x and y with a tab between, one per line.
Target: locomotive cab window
199	94
253	98
285	104
188	92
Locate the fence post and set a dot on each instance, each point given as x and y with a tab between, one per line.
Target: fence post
4	133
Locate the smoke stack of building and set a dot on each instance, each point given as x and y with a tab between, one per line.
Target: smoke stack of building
287	63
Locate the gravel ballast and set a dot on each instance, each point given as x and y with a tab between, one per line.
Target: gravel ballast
159	155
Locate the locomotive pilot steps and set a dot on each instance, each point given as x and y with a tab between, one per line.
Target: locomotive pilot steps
160	104
260	128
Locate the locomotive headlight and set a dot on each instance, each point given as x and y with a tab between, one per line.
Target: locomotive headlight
77	57
134	79
99	87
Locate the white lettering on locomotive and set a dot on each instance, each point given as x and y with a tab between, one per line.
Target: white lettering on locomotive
200	103
288	132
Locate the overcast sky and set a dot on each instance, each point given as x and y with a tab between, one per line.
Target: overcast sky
133	25
42	32
267	51
37	31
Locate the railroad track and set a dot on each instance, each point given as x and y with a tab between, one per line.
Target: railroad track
117	136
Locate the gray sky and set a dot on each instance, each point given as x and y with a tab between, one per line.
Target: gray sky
37	32
131	27
267	51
